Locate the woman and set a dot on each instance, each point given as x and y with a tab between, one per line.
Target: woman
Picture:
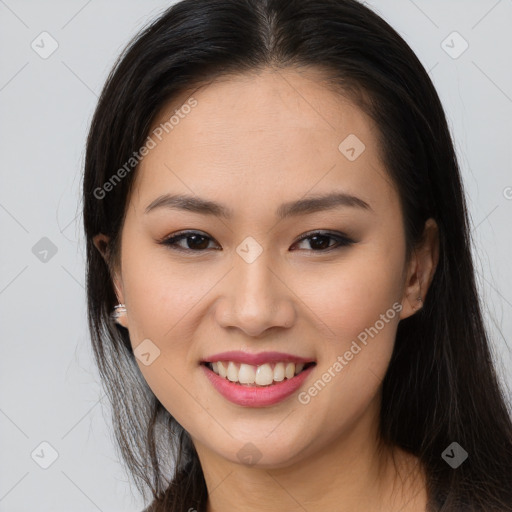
281	293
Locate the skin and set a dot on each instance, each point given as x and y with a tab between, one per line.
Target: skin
252	143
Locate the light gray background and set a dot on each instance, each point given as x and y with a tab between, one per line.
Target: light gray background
50	389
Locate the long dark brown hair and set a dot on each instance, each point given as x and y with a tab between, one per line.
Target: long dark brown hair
441	386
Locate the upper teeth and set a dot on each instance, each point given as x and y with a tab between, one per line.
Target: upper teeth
262	375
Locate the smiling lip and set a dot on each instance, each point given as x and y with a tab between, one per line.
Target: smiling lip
256	396
256	359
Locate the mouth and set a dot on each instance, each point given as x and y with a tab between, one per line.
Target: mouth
255	376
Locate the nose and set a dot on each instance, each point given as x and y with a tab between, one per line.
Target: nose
256	298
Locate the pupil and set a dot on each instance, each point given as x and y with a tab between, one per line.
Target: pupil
196	245
314	242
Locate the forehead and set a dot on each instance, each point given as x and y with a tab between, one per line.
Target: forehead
255	136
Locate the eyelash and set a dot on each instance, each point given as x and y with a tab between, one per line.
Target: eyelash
342	241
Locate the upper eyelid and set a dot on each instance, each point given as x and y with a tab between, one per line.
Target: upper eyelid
305	235
322	232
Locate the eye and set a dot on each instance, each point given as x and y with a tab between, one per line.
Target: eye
320	241
194	241
197	242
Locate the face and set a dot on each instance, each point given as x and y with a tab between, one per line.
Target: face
323	282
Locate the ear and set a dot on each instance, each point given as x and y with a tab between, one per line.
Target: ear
421	270
101	243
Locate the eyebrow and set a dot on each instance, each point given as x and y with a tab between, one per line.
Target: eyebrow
303	206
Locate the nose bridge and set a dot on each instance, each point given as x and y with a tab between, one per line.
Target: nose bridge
255	286
256	297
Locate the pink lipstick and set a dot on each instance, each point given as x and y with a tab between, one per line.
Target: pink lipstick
270	386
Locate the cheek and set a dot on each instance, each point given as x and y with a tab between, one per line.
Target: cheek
161	309
352	294
162	294
352	366
359	310
160	299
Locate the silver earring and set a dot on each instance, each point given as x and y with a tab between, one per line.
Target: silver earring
420	300
119	310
